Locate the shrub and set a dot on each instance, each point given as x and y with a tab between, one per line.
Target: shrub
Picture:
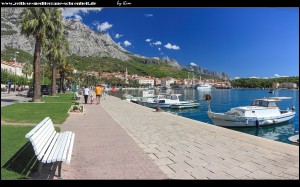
76	107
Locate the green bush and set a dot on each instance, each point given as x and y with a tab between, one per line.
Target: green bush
76	107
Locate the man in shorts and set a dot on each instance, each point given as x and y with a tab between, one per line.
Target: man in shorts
98	91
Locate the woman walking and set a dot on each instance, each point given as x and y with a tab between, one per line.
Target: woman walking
86	93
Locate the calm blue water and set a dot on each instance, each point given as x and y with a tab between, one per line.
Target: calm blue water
224	99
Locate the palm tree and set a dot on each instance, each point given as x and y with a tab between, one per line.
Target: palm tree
27	69
64	68
56	48
39	23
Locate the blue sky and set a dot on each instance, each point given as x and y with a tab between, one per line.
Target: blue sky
243	42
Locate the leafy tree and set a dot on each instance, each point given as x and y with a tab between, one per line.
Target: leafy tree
56	47
27	69
39	23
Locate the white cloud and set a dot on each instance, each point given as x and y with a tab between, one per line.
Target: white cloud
148	15
236	77
157	43
170	46
253	77
159	49
193	64
72	12
104	26
148	40
127	43
78	17
118	36
276	75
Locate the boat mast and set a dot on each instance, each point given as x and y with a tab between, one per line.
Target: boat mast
193	80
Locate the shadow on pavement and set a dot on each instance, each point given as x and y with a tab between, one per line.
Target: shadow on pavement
8	100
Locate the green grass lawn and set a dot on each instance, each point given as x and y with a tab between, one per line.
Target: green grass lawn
18	160
35	112
17	155
54	107
62	97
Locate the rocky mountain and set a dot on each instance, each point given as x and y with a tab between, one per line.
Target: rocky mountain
83	42
201	70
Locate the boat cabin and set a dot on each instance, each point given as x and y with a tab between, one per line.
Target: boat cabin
265	102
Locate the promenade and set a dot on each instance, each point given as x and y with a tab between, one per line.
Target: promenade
123	140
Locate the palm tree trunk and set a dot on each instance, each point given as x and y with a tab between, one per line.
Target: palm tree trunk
53	84
61	82
36	69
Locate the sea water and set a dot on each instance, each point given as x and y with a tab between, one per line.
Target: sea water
225	99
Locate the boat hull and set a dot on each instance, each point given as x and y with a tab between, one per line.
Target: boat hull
181	106
294	139
220	119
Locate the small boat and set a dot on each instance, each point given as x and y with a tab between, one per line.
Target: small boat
223	87
261	112
164	101
271	91
294	139
204	86
187	104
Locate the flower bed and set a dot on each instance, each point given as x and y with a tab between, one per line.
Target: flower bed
76	109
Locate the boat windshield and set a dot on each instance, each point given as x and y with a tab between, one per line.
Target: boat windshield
256	103
264	103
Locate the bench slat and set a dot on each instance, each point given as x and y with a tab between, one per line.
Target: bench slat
39	142
63	146
55	148
30	133
68	144
48	152
43	151
68	161
38	134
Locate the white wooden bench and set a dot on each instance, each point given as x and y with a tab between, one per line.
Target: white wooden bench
49	145
77	96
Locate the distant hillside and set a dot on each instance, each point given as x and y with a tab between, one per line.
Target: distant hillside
98	47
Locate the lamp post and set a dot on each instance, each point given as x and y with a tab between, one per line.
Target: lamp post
15	68
75	85
43	68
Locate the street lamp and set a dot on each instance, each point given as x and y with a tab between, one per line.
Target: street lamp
16	52
75	85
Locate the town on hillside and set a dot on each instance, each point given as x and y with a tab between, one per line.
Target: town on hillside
143	81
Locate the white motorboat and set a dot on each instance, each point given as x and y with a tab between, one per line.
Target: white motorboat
204	86
187	104
164	101
261	112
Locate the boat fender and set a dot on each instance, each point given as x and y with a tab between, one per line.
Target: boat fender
207	97
247	121
257	123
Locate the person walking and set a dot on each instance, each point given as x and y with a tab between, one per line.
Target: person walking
86	92
98	91
92	98
104	92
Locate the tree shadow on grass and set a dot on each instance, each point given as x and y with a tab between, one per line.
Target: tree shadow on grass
25	163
